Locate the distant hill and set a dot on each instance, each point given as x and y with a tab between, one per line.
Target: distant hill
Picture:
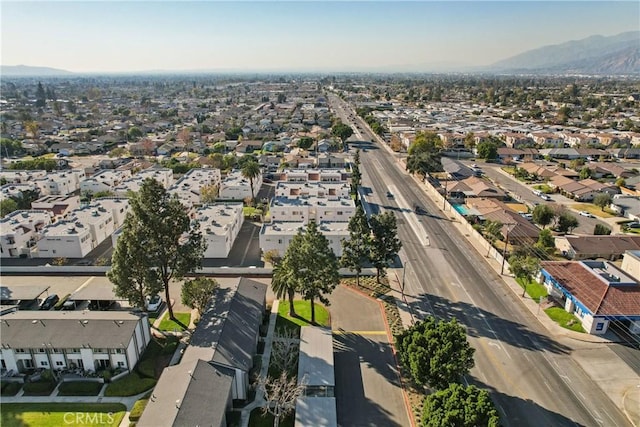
618	54
27	71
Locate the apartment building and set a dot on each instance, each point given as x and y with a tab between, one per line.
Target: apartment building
330	190
81	232
12	191
87	340
19	232
305	208
234	186
189	187
277	235
60	182
163	175
22	176
220	224
103	181
309	175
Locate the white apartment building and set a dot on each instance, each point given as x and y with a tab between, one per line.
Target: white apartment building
163	175
88	340
9	191
305	208
331	190
188	187
57	206
308	175
105	180
19	231
22	176
278	235
79	234
60	182
220	224
234	186
119	206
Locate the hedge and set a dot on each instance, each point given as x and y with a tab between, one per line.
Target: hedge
80	388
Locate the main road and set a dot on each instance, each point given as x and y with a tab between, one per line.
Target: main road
532	378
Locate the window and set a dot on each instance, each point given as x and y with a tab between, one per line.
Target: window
57	350
41	350
59	363
44	363
20	350
120	364
599	326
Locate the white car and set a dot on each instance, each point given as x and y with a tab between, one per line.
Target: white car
153	303
585	213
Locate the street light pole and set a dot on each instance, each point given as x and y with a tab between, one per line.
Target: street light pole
404	271
506	243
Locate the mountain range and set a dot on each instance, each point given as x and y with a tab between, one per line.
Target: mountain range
618	54
594	55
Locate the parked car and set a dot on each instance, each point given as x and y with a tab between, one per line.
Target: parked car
633	225
545	197
49	302
153	303
585	213
389	195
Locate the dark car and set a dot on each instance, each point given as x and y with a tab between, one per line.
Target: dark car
389	195
49	302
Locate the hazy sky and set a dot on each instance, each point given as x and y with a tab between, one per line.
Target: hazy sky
108	36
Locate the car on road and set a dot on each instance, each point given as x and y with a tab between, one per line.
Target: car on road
153	303
585	213
633	225
545	197
389	195
49	302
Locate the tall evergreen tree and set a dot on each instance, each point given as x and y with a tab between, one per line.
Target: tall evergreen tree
355	250
385	243
41	96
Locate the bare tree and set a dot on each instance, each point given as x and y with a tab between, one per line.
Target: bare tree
284	350
280	394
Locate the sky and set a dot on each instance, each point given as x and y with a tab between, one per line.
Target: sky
376	36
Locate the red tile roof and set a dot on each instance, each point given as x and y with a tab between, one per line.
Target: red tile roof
599	297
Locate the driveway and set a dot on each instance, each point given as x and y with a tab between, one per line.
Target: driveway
368	391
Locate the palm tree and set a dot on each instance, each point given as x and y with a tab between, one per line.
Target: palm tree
251	170
283	284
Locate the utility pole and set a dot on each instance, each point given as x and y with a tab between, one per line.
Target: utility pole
444	202
506	244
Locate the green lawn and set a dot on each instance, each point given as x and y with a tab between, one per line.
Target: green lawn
303	315
544	188
10	388
61	414
167	324
592	209
565	319
130	385
534	289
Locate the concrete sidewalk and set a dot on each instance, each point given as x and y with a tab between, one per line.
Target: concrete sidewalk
591	352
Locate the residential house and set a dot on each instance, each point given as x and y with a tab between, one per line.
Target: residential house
22	176
625	153
579	139
517	140
87	340
597	292
220	224
19	232
60	182
474	187
507	154
163	175
547	139
627	206
610	247
520	230
189	187
327	160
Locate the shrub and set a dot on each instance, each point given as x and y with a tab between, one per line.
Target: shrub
10	388
80	388
147	368
41	388
138	408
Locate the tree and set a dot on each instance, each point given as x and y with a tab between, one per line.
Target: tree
459	406
41	96
284	350
384	243
602	200
492	231
7	206
355	250
424	154
567	222
487	150
545	240
26	197
305	142
621	182
134	133
209	193
435	352
284	282
601	230
315	265
543	215
32	127
280	395
524	268
342	131
585	172
469	140
251	170
166	244
197	293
